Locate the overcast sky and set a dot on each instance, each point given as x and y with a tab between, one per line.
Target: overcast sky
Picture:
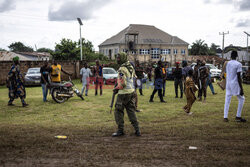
45	22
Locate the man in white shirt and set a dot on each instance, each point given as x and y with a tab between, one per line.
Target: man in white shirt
85	73
234	87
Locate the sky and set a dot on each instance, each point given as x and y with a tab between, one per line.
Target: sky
43	23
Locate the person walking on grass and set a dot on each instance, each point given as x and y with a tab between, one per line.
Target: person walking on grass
98	74
158	83
209	82
202	81
139	73
15	84
45	70
190	90
126	97
85	74
234	87
178	80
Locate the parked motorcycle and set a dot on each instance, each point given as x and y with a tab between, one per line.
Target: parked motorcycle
61	92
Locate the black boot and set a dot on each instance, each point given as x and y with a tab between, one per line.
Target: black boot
140	90
151	99
118	133
95	92
138	133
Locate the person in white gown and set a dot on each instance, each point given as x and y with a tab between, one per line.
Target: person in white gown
234	87
85	73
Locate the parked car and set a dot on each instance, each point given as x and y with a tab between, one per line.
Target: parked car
33	77
170	71
109	76
215	72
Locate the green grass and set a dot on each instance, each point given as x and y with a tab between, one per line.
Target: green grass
27	134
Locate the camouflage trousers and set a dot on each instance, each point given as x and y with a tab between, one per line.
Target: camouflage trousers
126	101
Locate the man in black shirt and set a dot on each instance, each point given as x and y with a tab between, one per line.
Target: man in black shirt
139	73
45	70
158	83
178	80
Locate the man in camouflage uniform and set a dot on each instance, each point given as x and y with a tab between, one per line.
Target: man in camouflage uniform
202	81
126	97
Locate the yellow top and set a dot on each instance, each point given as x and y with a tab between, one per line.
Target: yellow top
56	70
126	79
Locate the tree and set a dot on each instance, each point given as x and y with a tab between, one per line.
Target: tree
70	50
213	49
47	50
1	49
20	47
66	50
199	48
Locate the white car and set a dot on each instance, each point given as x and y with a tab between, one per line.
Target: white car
109	76
215	72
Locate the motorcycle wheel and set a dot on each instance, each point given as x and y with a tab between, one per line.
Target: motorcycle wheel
57	98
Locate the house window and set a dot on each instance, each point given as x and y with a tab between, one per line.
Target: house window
175	51
116	51
107	52
183	51
155	53
144	51
165	51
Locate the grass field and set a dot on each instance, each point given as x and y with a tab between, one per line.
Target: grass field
27	134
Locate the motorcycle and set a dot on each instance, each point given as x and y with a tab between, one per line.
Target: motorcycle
61	92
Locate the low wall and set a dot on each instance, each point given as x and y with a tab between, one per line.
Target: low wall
69	66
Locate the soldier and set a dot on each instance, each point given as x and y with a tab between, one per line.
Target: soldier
158	83
178	80
126	97
202	81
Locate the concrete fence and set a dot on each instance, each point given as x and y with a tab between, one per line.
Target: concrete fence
69	66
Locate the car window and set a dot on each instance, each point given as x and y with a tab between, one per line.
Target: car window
109	71
34	71
169	69
211	66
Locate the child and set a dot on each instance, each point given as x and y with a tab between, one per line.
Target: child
189	91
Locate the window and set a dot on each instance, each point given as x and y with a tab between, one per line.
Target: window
116	51
155	53
107	52
144	51
165	51
175	51
183	51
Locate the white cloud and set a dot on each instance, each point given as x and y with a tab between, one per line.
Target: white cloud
7	5
70	10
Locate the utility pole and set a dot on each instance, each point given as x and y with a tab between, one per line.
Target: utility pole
247	42
223	39
80	24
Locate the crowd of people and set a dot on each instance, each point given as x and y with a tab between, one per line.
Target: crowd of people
188	80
